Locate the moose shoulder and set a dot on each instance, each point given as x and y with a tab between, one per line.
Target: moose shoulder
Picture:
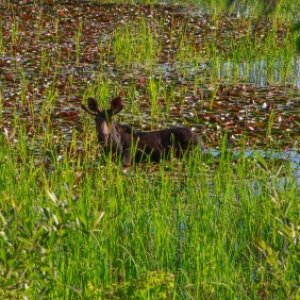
122	139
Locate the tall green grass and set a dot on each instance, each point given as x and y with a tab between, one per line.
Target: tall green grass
185	230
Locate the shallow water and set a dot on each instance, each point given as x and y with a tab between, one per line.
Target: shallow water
290	156
257	72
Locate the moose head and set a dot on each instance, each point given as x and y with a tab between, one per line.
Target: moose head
103	118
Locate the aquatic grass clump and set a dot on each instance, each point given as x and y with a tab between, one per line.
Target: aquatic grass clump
247	46
77	42
136	43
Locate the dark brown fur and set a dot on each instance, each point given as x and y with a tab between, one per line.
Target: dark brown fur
122	139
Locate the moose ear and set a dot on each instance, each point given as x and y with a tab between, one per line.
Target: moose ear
92	105
116	105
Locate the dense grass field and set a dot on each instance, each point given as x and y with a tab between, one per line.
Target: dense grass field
222	223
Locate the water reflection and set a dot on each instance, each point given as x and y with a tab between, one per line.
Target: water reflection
260	73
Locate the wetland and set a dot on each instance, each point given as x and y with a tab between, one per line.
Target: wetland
222	222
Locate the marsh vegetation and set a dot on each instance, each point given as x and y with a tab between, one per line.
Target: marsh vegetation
217	224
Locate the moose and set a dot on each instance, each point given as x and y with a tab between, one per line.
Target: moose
123	139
